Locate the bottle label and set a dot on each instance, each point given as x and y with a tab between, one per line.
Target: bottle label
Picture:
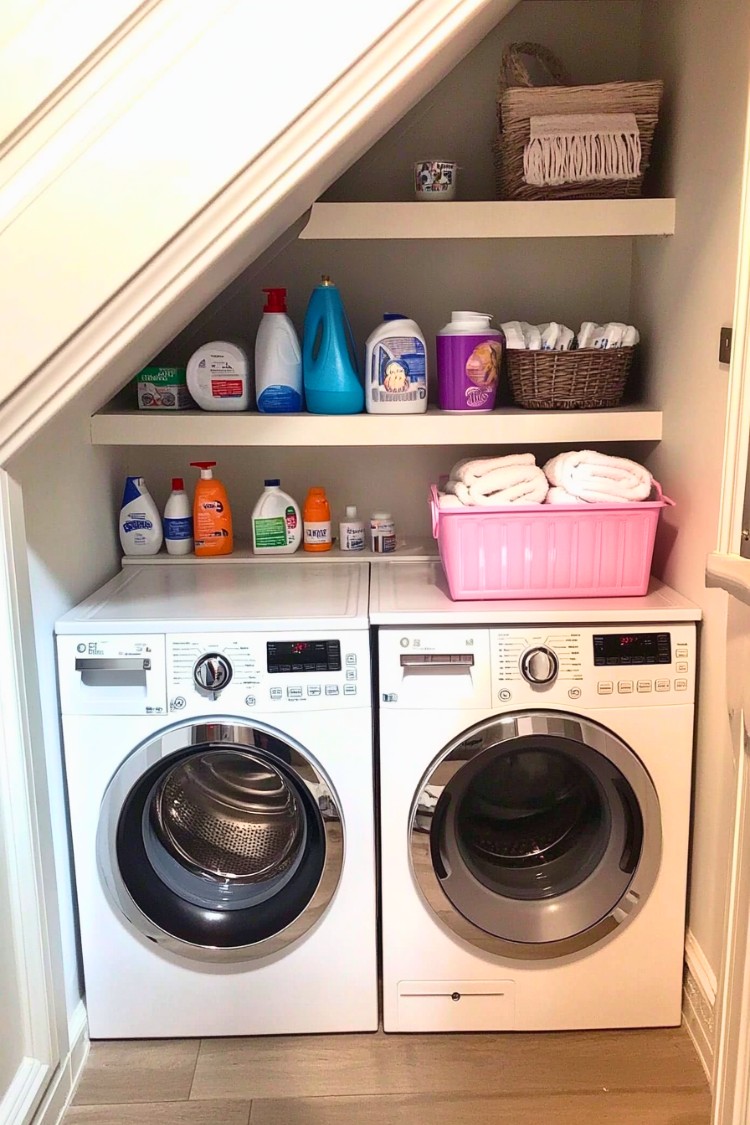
352	537
318	533
226	388
181	528
280	400
290	516
140	523
270	532
398	370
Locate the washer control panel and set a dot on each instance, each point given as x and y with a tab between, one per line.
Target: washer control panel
241	672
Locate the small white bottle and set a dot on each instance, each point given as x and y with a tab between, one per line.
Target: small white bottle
140	522
277	522
382	533
178	520
352	532
278	359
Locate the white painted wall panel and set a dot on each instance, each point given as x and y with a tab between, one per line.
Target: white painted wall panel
683	292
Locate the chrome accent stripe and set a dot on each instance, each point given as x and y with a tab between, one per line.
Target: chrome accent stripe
194	735
468	748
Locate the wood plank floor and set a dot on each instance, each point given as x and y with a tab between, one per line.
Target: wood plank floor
562	1078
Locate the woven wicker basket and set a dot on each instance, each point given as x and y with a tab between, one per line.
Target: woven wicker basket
589	377
518	101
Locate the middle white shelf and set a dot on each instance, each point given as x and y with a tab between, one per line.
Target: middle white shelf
505	426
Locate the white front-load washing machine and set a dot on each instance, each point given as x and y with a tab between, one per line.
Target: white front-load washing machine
535	776
217	723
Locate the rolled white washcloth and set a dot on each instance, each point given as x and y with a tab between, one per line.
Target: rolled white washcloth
507	484
470	471
598	478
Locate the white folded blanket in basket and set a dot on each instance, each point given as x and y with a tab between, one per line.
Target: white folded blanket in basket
507	484
470	470
598	478
557	495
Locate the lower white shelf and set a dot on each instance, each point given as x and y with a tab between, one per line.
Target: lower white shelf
407	550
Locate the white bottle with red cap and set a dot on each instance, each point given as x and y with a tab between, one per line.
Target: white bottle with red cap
178	520
278	359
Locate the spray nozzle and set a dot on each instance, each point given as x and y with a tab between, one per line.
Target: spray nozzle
275	301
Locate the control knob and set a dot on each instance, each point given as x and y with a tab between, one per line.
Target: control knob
212	673
539	665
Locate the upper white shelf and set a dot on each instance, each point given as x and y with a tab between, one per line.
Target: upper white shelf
504	426
587	218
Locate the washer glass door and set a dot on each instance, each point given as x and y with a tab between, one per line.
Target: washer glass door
220	841
536	834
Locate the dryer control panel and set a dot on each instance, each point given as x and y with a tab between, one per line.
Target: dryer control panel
596	666
537	665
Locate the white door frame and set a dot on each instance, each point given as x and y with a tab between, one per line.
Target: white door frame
27	841
726	568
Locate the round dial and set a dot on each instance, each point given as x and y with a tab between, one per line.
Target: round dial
212	672
539	665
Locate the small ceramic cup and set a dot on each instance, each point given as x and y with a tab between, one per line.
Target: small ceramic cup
435	180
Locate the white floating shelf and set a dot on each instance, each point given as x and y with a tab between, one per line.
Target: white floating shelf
579	218
504	426
407	550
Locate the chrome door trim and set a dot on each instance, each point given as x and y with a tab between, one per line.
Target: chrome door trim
185	736
468	747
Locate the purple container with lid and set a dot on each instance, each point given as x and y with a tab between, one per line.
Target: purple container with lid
469	352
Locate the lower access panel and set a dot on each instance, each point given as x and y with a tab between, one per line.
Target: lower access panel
456	1005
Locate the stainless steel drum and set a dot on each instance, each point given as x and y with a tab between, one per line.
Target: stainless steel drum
229	815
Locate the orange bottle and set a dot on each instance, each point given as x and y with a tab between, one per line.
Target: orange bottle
212	516
316	520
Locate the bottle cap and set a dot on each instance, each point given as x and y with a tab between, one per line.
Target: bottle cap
275	301
316	491
325	280
394	316
351	512
178	484
272	483
381	516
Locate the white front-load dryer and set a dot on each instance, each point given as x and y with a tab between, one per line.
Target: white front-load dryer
218	741
535	800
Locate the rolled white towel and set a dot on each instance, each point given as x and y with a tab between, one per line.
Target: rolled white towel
558	495
469	471
447	500
507	484
598	478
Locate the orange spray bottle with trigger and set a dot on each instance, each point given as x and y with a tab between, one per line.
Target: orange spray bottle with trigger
212	516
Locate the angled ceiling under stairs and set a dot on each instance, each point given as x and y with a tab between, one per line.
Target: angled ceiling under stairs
173	155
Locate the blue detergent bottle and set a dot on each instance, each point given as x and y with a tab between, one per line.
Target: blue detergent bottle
329	365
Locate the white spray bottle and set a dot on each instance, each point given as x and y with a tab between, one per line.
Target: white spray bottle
140	522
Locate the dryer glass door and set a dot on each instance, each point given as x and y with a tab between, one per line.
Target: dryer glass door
220	841
542	832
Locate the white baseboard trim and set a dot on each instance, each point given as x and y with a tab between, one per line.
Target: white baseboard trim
699	1003
24	1091
66	1077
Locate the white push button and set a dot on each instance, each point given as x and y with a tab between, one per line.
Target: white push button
276	693
294	693
351	658
350	689
663	685
625	687
313	689
682	666
606	687
645	685
351	673
574	693
332	689
680	685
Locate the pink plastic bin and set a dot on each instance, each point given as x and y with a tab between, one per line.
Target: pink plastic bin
547	550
